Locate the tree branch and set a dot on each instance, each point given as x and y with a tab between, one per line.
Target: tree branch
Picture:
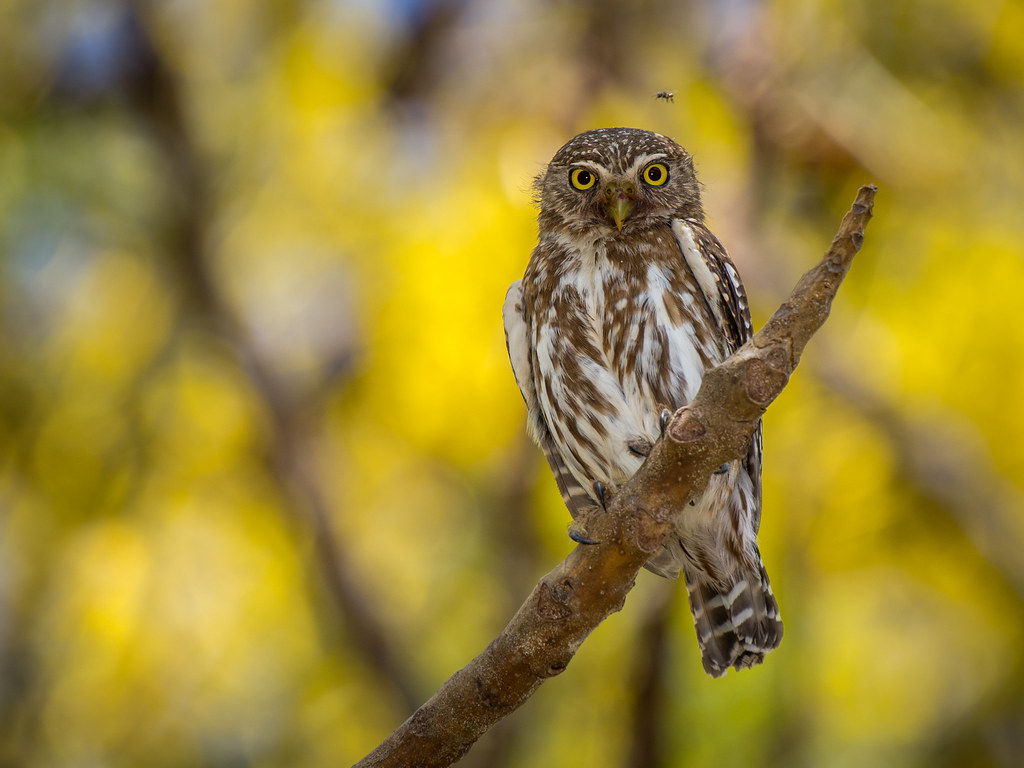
593	581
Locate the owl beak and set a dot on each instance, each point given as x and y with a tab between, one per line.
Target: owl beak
620	200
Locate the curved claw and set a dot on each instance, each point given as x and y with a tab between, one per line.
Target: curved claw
639	447
663	419
599	490
579	538
722	469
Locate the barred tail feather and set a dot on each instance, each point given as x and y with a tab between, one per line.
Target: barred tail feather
736	624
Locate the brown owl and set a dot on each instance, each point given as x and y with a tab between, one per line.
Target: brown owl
627	300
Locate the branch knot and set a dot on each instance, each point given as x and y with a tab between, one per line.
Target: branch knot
764	381
553	601
686	427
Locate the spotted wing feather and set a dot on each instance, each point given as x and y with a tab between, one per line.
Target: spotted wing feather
726	294
575	496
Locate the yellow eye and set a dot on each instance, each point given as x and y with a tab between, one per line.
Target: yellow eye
582	179
656	174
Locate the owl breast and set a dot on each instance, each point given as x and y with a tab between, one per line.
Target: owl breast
620	331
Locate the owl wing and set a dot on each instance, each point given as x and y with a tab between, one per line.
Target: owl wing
723	290
718	279
517	335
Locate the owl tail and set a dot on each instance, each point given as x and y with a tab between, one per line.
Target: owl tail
737	623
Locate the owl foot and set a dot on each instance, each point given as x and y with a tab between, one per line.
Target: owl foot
663	419
722	469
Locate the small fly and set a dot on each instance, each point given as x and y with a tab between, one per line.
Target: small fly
666	95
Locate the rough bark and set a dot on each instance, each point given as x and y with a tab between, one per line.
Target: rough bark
593	581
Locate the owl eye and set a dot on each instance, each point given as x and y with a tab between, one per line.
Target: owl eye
582	179
656	174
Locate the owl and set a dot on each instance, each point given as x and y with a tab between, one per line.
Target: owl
627	300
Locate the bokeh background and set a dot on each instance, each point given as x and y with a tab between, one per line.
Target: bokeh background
264	482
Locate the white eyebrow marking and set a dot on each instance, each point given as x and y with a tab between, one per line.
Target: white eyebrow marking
643	160
597	168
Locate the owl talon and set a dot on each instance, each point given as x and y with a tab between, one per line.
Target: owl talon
640	448
599	489
722	469
663	419
579	538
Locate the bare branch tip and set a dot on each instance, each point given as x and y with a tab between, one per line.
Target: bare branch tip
865	199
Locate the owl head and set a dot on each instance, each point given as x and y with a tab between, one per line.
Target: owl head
618	180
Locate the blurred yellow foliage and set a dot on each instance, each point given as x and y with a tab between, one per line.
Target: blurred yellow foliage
264	479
